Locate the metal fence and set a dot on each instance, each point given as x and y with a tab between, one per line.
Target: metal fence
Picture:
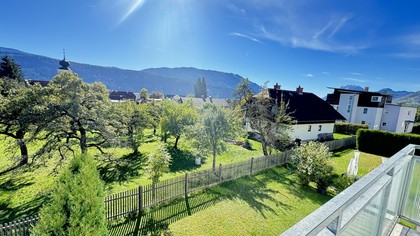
136	200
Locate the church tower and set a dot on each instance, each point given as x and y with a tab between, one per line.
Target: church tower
64	65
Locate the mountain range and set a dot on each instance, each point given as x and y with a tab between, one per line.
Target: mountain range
398	97
174	81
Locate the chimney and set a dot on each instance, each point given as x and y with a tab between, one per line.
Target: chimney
366	89
277	86
299	90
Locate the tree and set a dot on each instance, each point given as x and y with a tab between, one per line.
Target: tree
23	113
144	93
418	115
76	204
175	117
83	112
271	119
312	161
132	119
200	88
243	91
10	69
156	95
216	126
158	165
154	114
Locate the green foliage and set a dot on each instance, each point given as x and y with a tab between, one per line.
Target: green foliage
416	129
384	143
342	182
216	126
10	69
76	204
23	113
158	163
156	95
313	164
83	113
270	119
417	119
144	93
132	119
200	88
348	128
175	118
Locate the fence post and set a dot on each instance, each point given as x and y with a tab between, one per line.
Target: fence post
140	199
187	204
220	173
252	165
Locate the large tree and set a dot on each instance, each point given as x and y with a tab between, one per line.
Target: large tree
83	112
23	113
132	120
271	119
200	88
216	126
175	118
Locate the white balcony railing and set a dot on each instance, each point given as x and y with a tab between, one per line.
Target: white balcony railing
373	204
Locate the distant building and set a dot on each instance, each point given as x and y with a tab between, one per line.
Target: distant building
314	117
117	96
372	108
64	65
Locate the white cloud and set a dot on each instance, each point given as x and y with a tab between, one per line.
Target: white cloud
355	80
309	75
357	74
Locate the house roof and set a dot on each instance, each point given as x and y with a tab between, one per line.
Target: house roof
200	101
43	83
121	95
306	107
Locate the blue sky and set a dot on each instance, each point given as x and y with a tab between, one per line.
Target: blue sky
315	44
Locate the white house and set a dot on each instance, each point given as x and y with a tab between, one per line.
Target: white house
372	108
314	117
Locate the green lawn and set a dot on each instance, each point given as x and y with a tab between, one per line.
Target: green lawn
367	162
341	136
264	204
22	190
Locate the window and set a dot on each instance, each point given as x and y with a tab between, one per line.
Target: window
319	127
383	123
376	99
309	128
348	109
363	122
365	110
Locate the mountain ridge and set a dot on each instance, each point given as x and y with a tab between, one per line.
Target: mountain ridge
172	81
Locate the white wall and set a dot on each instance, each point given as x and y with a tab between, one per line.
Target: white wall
345	101
396	118
301	131
372	118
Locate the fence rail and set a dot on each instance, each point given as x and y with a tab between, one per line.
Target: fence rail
134	201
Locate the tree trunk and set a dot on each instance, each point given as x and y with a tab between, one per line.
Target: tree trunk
176	142
264	147
83	139
214	160
23	148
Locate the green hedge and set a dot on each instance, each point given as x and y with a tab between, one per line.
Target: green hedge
348	128
384	143
416	129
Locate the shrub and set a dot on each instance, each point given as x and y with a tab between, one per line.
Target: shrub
342	182
416	129
348	128
313	163
76	205
384	143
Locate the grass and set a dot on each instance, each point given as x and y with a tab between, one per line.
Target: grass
264	204
22	191
367	162
341	136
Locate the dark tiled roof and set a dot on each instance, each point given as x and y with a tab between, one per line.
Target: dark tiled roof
43	83
306	107
121	95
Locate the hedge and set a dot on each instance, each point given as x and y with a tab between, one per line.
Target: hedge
416	129
384	143
348	128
